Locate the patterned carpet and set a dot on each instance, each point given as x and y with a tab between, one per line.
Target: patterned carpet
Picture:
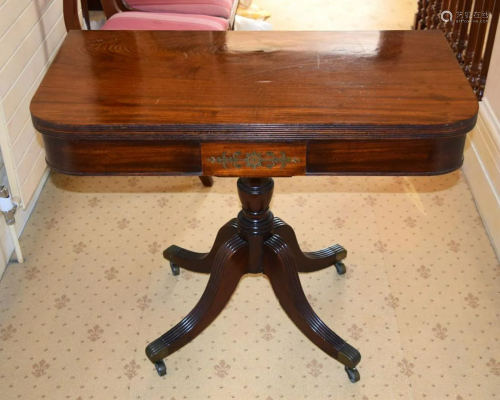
339	15
421	298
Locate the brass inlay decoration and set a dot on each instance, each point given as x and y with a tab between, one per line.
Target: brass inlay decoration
254	160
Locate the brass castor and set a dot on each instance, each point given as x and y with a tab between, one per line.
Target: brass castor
353	374
161	368
341	269
175	269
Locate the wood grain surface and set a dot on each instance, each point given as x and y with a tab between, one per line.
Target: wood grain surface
267	83
122	102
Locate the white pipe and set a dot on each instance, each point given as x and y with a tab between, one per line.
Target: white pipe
17	246
8	208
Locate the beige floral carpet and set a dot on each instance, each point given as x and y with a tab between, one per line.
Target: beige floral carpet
421	299
351	15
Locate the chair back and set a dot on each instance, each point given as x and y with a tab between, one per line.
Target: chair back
110	7
72	19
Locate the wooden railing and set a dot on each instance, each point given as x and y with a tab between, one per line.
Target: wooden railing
470	27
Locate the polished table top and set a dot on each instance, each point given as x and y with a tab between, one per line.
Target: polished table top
254	103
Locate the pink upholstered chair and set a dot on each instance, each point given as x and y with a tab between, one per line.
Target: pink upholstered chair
215	8
118	19
146	21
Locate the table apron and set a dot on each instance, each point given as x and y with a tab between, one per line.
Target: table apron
258	159
386	157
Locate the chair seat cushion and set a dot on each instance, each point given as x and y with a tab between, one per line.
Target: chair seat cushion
144	21
215	8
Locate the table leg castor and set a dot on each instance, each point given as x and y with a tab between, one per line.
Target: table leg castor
353	374
341	269
175	269
161	368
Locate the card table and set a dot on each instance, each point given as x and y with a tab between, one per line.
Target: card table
254	105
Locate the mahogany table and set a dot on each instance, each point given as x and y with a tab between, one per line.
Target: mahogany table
254	105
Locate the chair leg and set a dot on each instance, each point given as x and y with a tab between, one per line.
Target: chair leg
310	261
199	262
281	268
207	181
229	266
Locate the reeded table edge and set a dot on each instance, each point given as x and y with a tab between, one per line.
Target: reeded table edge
259	132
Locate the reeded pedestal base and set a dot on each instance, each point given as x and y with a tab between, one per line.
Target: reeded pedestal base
255	242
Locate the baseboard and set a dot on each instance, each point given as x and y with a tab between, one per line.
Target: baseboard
22	216
482	170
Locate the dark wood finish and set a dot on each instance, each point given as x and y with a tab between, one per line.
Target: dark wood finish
255	220
256	242
473	35
200	262
417	18
85	12
207	181
227	269
79	158
308	261
111	7
431	12
463	35
438	7
281	89
254	105
449	25
281	269
71	17
385	157
274	85
95	5
441	25
149	157
475	65
455	31
423	14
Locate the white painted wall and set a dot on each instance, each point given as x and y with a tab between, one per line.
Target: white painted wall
482	155
492	92
31	32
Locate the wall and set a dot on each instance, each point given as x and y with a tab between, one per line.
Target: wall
31	32
492	92
482	155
